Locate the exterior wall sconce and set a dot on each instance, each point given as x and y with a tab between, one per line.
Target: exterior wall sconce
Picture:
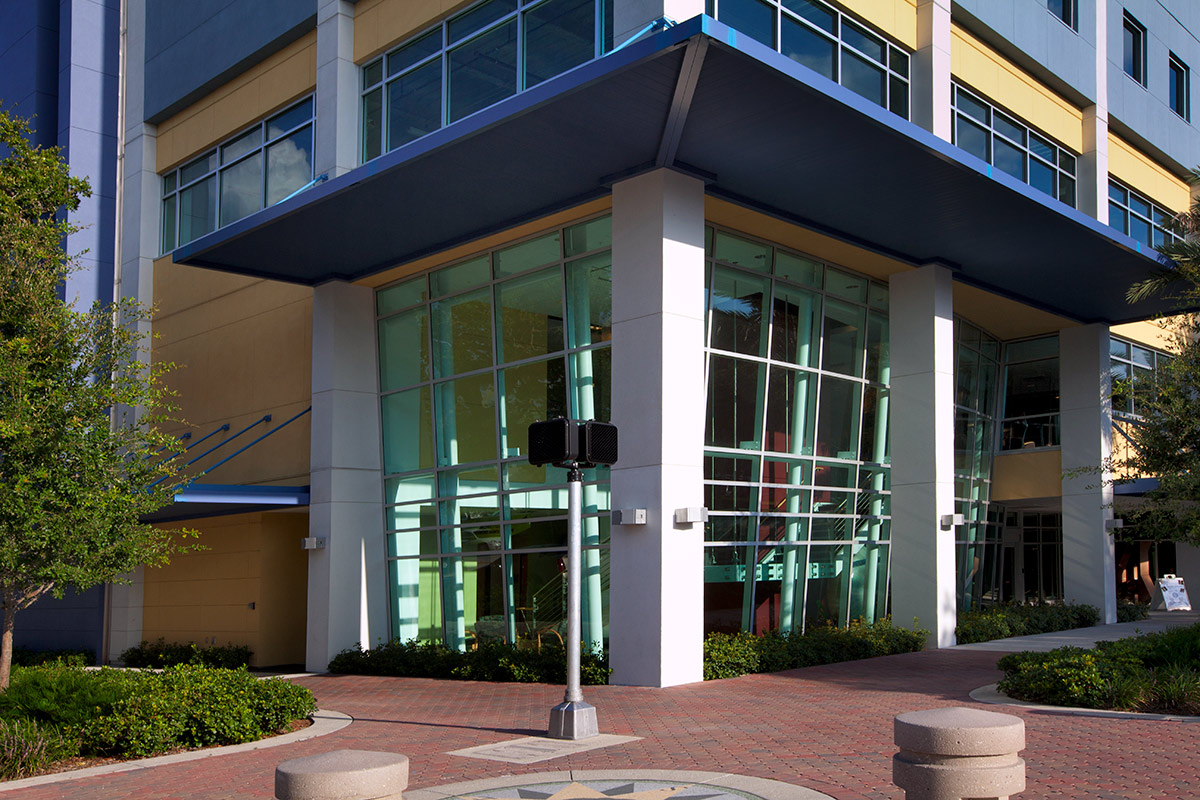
312	543
950	520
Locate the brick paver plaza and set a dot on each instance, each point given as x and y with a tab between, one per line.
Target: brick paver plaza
826	728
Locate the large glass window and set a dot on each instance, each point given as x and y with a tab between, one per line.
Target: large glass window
1031	410
490	51
250	171
797	467
1132	367
828	41
976	378
469	356
1138	217
1005	142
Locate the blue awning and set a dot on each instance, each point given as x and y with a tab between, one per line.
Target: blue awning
761	129
214	499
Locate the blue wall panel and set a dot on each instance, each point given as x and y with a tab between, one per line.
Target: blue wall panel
29	64
194	47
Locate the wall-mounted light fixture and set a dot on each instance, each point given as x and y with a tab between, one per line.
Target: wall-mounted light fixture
950	520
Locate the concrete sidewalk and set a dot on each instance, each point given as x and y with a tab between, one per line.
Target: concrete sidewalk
1087	637
827	728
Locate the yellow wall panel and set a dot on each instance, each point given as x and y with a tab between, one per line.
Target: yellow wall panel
242	348
283	596
897	18
1152	334
206	596
1137	171
278	79
379	24
1021	476
1004	83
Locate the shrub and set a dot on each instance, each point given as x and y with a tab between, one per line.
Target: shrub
1158	672
161	654
729	655
135	714
1132	612
24	657
60	696
1016	619
489	661
27	748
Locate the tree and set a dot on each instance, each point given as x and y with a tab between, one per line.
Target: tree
79	466
1165	442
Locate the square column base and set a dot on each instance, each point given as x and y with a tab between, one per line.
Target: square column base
573	720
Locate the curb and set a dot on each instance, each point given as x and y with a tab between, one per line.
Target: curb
325	722
990	694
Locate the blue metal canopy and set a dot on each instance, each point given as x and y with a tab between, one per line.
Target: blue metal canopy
761	129
216	499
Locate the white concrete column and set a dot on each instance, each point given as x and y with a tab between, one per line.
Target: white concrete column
123	615
1092	188
347	592
1085	405
656	597
336	148
923	576
930	70
630	16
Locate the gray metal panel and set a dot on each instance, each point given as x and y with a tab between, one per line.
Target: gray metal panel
194	47
1144	110
1042	43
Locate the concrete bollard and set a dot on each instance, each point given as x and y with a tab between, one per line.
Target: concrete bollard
958	754
343	775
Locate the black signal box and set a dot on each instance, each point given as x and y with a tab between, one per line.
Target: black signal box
563	442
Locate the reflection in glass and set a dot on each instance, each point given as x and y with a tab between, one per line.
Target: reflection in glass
791	402
530	315
738	324
407	431
828	583
416	599
466	420
735	403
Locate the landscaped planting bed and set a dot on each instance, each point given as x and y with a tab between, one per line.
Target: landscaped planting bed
1154	673
53	714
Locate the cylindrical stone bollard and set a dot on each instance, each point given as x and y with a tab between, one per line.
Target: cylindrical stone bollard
958	754
343	775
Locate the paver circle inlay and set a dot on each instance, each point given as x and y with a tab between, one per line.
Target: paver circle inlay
627	789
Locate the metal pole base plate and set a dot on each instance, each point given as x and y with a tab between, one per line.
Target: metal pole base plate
573	720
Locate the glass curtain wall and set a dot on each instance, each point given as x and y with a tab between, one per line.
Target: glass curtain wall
469	356
825	40
491	50
976	378
1030	394
796	441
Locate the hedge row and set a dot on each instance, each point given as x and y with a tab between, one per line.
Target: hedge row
727	655
1157	672
51	713
159	654
490	661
